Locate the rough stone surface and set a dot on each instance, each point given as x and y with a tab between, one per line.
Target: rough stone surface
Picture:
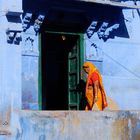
75	125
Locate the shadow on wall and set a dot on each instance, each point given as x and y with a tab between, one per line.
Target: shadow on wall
76	16
112	105
108	24
81	89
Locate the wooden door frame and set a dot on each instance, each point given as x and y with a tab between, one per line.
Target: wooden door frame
81	39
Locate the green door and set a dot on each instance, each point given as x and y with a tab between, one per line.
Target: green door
74	76
75	60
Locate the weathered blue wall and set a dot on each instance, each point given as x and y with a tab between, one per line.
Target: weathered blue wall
119	63
10	63
117	59
76	125
80	125
116	56
30	67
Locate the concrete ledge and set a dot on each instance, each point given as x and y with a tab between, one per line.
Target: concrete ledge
79	125
4	132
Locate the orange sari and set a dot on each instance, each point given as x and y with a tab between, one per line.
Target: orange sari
94	75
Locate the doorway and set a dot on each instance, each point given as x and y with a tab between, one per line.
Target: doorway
61	62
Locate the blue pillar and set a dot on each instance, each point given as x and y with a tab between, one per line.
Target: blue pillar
10	62
30	61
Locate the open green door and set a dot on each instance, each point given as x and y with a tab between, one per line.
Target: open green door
74	68
60	92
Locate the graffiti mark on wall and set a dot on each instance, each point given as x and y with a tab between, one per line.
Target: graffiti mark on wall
4	123
29	44
93	52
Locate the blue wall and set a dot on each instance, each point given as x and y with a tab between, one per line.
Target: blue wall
120	64
113	48
117	57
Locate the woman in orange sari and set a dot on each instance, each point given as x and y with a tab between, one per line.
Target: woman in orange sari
95	93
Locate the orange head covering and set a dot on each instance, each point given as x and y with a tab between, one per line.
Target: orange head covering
91	66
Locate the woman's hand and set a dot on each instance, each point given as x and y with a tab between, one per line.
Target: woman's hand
95	99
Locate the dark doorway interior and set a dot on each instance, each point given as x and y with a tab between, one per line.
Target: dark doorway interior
55	49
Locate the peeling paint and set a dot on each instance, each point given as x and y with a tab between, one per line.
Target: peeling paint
4	132
74	125
121	129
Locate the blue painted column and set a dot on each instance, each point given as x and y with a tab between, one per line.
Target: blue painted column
30	60
10	62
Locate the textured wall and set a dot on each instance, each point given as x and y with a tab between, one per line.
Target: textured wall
10	63
30	67
30	59
118	60
75	125
116	55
